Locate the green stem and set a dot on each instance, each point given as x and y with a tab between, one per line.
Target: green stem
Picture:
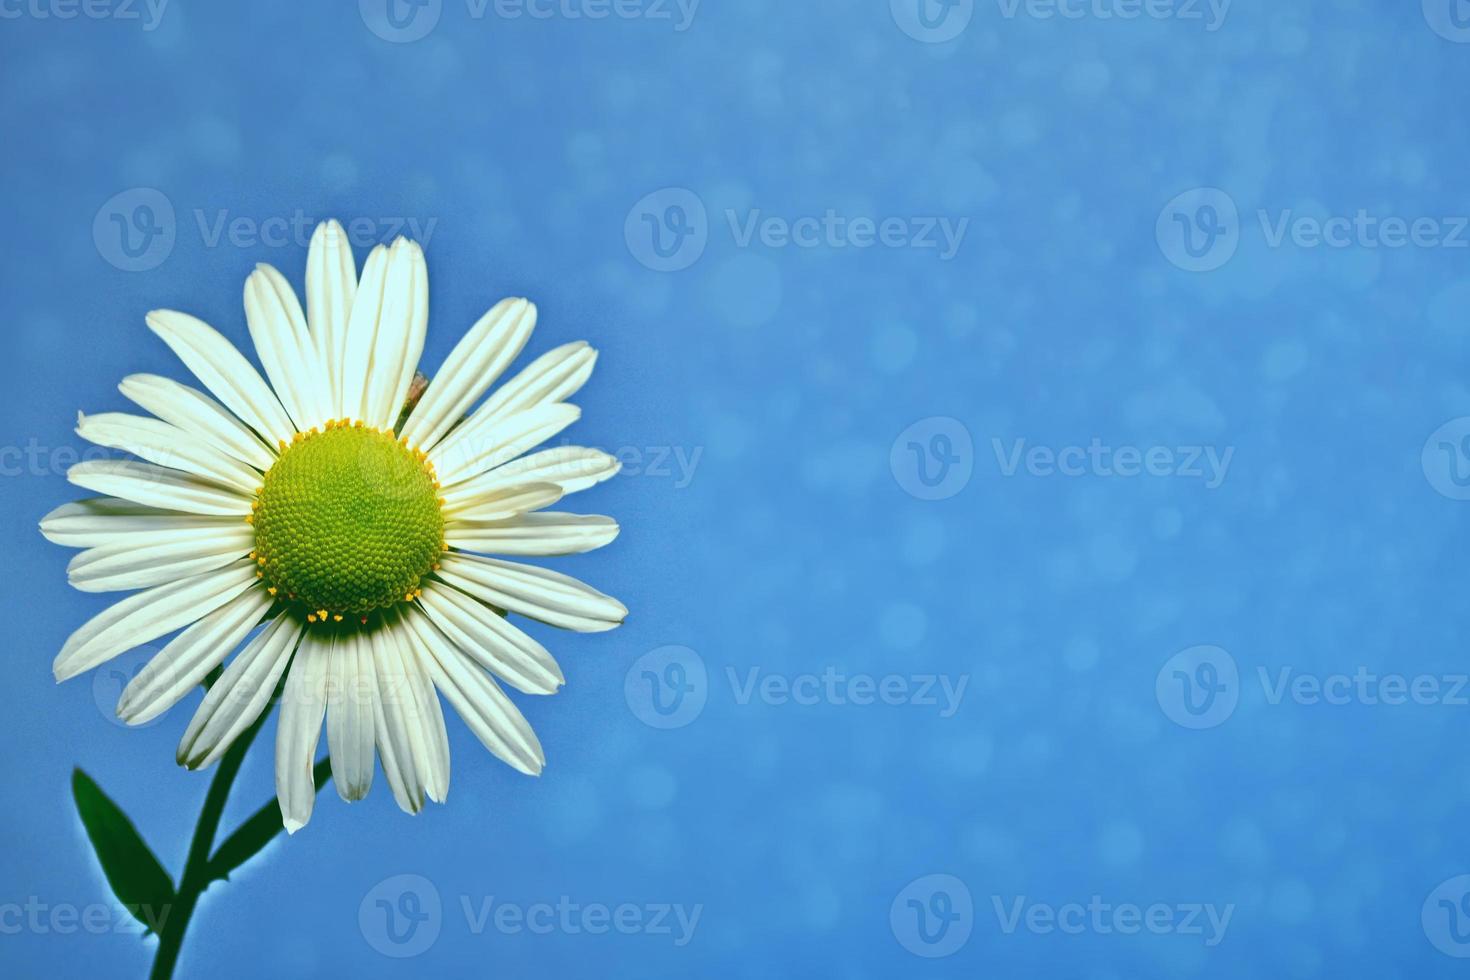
197	870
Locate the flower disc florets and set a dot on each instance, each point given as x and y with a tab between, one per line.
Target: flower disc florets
349	521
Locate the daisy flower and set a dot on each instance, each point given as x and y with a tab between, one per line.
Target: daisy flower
349	532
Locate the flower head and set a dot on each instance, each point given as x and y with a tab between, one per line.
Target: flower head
341	536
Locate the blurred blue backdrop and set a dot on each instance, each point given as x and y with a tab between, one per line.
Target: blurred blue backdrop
1045	443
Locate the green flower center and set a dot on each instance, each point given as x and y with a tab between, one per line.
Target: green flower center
348	522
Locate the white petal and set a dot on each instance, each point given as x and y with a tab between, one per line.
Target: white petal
399	342
155	559
159	487
430	738
495	645
572	468
483	442
240	695
224	371
539	593
503	503
299	729
395	747
470	369
410	727
184	663
403	781
553	377
331	283
286	348
101	521
195	412
352	698
547	533
167	445
362	333
496	722
148	615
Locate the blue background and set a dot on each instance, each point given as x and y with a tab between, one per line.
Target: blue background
795	546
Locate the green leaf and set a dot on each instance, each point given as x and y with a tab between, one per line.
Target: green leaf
137	878
254	834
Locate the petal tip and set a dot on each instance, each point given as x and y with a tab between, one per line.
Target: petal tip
158	320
